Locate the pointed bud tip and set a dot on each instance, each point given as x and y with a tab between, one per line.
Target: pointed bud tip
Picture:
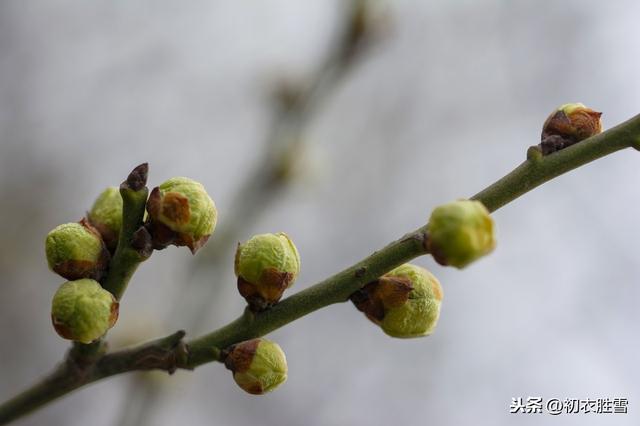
137	179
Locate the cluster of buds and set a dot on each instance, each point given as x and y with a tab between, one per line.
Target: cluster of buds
405	302
180	213
266	266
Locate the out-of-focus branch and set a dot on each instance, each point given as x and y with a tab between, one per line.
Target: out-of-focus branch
295	104
294	108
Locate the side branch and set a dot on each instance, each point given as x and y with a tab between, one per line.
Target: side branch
134	242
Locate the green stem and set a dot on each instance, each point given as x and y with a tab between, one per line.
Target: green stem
75	372
170	352
134	245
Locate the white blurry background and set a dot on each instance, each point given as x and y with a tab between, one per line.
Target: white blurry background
446	104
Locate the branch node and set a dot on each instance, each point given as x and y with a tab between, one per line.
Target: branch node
169	354
534	154
425	241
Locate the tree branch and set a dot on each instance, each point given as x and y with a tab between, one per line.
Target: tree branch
170	352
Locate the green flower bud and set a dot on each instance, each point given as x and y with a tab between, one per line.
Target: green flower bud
83	311
259	365
568	125
405	302
460	232
181	213
76	250
106	216
266	266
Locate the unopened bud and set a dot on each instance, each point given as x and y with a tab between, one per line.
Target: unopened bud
83	311
181	213
405	302
76	250
266	266
460	232
259	365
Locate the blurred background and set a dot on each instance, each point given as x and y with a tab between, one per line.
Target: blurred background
343	129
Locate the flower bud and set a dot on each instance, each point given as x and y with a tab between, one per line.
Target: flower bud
181	213
106	216
266	266
76	250
83	311
259	365
405	302
568	125
460	232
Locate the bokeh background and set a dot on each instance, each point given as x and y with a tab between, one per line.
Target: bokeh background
444	100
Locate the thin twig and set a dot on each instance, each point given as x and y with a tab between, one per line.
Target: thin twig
134	242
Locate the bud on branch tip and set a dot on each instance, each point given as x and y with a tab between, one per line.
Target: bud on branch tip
137	179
